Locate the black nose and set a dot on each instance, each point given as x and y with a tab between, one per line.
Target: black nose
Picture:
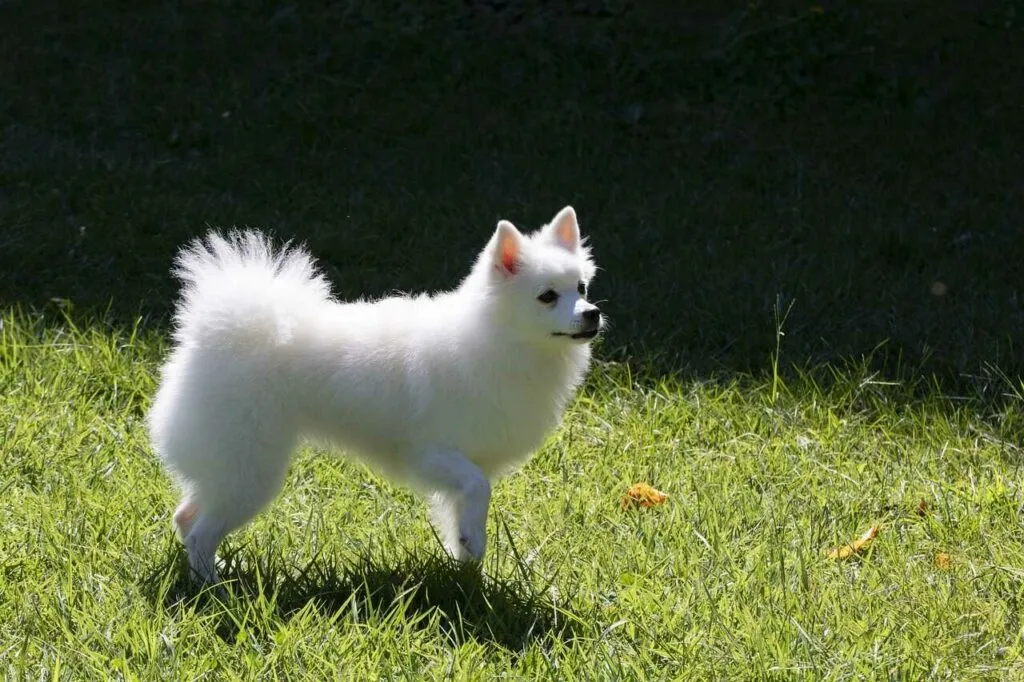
592	315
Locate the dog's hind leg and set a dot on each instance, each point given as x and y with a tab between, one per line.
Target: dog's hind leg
205	535
208	520
184	517
228	492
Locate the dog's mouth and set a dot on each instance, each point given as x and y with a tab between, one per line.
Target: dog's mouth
587	334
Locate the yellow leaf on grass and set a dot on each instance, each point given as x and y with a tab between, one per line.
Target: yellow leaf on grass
856	547
642	495
944	561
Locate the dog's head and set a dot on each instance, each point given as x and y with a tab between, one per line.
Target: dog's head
539	281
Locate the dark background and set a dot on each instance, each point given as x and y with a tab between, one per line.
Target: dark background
842	158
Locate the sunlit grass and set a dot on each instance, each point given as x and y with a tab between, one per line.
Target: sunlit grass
343	576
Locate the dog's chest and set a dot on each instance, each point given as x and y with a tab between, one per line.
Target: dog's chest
508	421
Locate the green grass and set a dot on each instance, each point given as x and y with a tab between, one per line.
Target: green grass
741	171
728	578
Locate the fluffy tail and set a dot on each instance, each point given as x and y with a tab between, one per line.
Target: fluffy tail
237	290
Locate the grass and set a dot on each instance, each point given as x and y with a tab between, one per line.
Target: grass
807	218
845	161
728	578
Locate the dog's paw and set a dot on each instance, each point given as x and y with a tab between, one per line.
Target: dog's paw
471	547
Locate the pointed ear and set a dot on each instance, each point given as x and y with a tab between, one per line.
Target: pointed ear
564	230
508	247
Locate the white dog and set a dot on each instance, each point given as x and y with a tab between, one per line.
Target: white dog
444	392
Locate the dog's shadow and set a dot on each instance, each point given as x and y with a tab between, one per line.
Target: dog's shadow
468	604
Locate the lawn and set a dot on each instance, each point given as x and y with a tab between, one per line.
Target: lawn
808	223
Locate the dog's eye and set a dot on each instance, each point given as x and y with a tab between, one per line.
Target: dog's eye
582	289
549	296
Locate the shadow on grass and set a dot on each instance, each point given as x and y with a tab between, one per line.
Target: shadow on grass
422	590
863	163
725	168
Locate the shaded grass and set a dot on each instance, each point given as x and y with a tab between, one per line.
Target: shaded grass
422	590
719	158
344	576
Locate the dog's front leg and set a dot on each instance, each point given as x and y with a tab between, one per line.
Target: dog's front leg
461	495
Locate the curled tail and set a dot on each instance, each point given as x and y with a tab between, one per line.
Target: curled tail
236	289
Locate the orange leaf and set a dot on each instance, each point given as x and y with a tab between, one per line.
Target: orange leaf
856	547
923	508
943	561
642	495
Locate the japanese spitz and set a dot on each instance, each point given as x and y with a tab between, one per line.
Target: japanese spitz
443	392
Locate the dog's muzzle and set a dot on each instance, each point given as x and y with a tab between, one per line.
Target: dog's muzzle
591	326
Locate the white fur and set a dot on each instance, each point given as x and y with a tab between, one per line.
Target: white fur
444	392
